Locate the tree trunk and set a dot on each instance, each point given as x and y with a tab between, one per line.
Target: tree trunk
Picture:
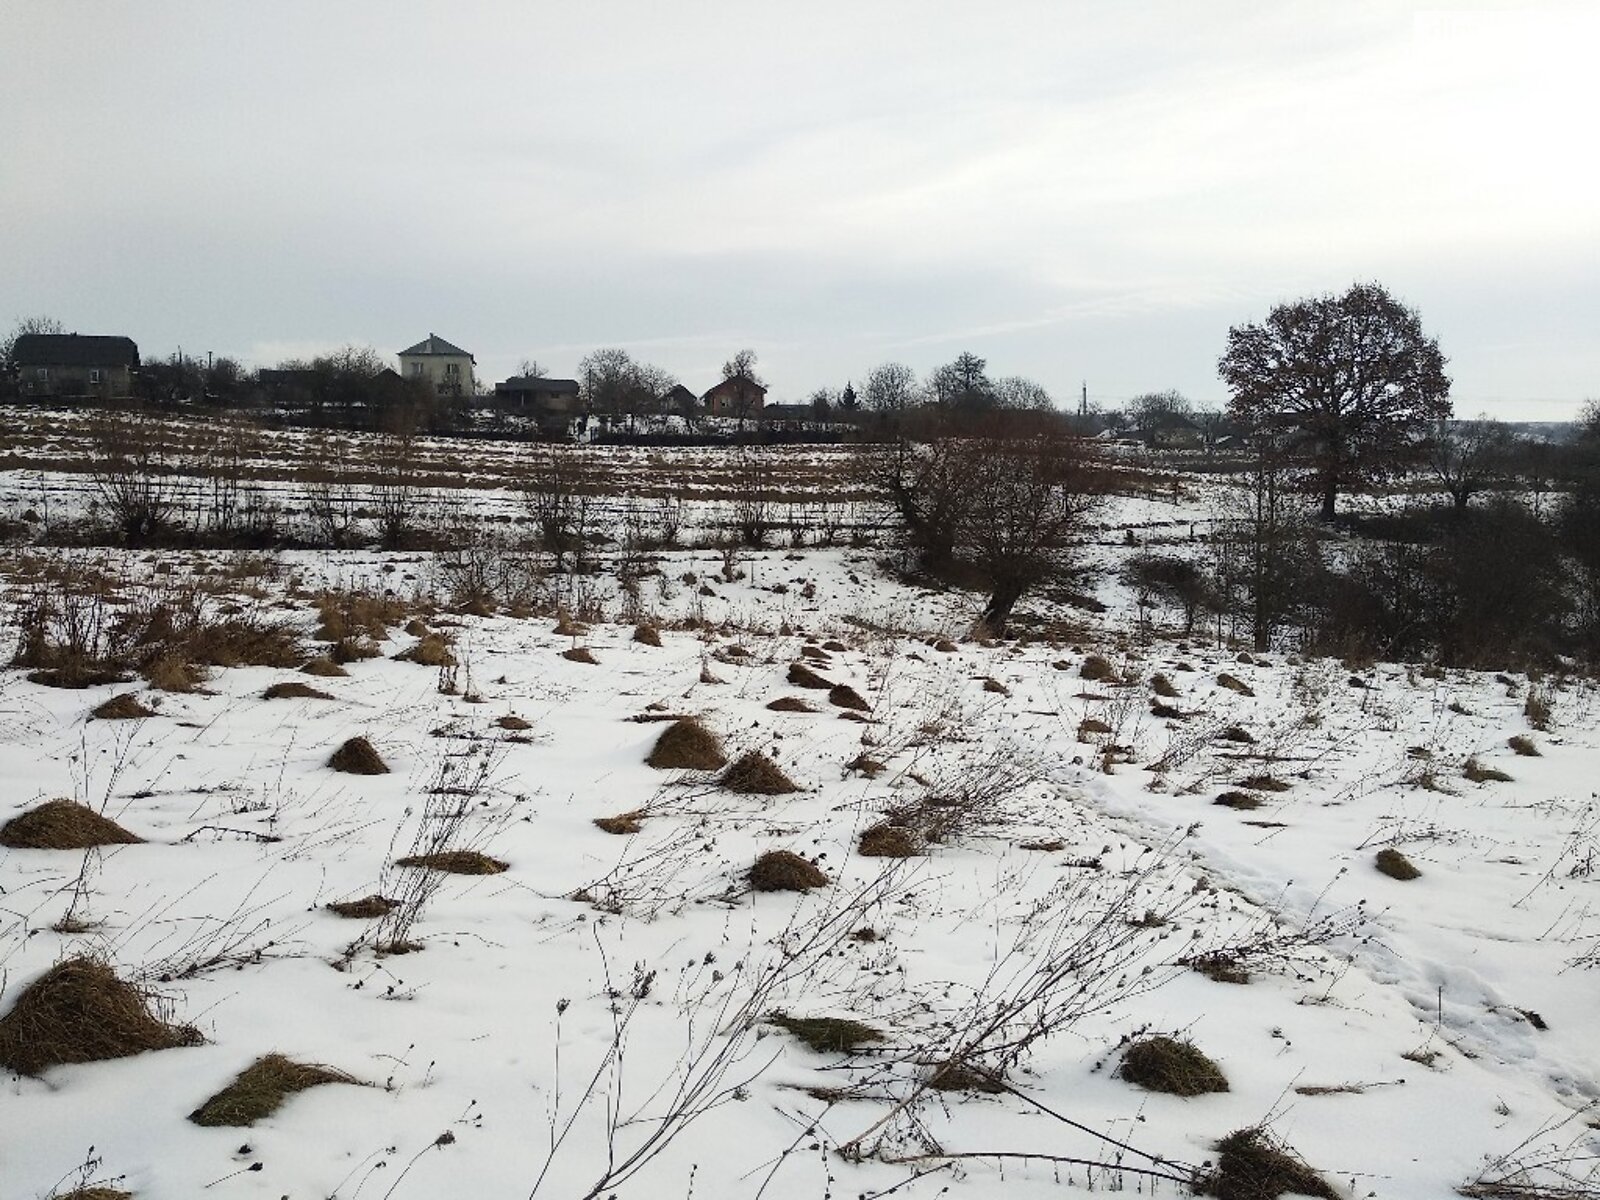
1330	493
1002	599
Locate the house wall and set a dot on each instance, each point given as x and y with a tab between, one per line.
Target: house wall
436	370
75	381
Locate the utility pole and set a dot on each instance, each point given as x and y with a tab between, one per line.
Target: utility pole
1083	401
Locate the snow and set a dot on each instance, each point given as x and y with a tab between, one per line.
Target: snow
528	1016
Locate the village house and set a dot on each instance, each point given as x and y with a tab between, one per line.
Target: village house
447	367
736	397
72	364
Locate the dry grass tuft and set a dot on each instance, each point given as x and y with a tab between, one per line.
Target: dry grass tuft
1237	733
368	908
754	774
325	668
803	676
1162	686
1523	745
294	690
1264	783
1243	801
1396	865
580	654
647	635
785	871
991	684
888	840
827	1035
1254	1165
622	823
172	673
790	704
1476	772
63	825
1220	967
687	745
261	1089
1090	727
1163	1064
455	862
513	722
358	757
845	696
1234	684
354	649
959	1077
124	707
1098	669
79	1011
93	1192
430	650
416	627
353	614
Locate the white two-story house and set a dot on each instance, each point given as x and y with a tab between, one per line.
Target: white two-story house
447	367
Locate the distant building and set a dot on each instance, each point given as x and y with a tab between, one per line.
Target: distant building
735	398
72	364
678	399
551	402
1176	431
446	366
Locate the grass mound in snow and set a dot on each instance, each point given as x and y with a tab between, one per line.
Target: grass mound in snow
261	1089
785	871
1476	772
622	823
358	757
368	908
959	1077
124	707
687	745
1254	1165
790	704
1396	865
294	690
647	635
79	1011
325	667
430	650
172	673
803	676
845	696
93	1192
513	722
1090	726
1163	686
580	654
1240	800
455	862
1097	668
1264	783
754	774
1523	745
63	825
991	684
355	649
1163	1064
827	1035
1234	684
887	840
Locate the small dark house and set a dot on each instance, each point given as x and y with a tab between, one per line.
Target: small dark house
71	364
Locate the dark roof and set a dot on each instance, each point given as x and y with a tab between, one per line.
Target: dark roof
433	344
733	386
538	383
678	391
74	350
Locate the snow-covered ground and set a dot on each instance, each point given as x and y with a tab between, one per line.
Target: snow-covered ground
1395	1033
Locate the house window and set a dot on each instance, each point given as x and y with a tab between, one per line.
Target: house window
416	370
452	369
43	373
94	374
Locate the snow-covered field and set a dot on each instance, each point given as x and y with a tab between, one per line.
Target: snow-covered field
597	1019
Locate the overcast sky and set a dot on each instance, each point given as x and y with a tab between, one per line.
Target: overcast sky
1073	191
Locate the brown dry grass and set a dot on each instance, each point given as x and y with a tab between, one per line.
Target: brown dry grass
1234	684
790	704
647	635
827	1035
456	862
261	1089
354	649
1396	865
79	1011
123	707
1163	1064
172	673
1523	745
1254	1165
785	871
991	684
580	654
888	840
325	667
1097	669
845	696
754	774
803	676
622	823
93	1192
430	650
513	722
293	689
1476	772
687	745
1238	800
358	757
63	825
351	614
1162	686
368	908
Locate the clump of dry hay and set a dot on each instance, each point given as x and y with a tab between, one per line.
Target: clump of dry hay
580	654
960	1077
1162	686
123	707
1254	1165
93	1192
834	646
79	1011
514	722
1523	745
566	626
261	1089
992	684
172	673
687	745
803	676
1239	800
785	871
416	627
325	667
622	823
1396	865
455	862
348	614
754	774
945	646
63	825
888	840
354	649
358	757
845	696
294	690
790	704
1476	772
827	1035
1163	1064
647	635
1237	733
1097	669
430	650
367	908
1264	783
1090	727
1234	684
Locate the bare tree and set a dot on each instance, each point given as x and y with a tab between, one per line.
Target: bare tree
132	474
1468	456
748	387
890	389
560	500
